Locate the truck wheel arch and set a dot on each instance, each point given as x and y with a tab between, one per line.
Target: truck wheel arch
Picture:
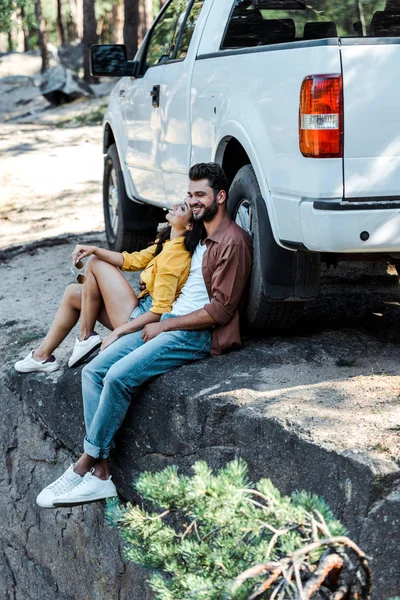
232	157
234	152
108	137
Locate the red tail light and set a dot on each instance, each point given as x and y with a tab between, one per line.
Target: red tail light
321	116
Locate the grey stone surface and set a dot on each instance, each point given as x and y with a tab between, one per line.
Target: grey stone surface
59	85
66	554
194	413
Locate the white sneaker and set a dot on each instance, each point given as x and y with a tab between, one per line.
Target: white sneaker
90	488
84	349
62	485
30	364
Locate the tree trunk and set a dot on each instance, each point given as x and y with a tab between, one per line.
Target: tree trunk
131	27
77	17
89	36
146	18
60	26
42	37
10	42
117	20
25	29
361	17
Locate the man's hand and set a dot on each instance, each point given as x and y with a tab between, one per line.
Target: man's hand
110	339
151	330
142	286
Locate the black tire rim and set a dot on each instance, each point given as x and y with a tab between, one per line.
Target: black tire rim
113	203
244	216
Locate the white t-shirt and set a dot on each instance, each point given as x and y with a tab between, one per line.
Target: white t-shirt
194	293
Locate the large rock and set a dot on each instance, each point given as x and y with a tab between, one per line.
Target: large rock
51	555
214	410
60	85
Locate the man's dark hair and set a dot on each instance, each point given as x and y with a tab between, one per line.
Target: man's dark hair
215	174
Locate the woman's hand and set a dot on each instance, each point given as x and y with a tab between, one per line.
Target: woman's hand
110	339
81	251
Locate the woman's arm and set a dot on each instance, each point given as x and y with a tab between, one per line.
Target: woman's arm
135	325
113	258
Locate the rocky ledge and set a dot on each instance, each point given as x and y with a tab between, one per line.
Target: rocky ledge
311	434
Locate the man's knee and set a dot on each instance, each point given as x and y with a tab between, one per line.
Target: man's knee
90	372
117	380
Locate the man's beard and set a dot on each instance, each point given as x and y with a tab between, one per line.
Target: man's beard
208	213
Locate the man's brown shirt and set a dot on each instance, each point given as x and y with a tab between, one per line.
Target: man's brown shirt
226	270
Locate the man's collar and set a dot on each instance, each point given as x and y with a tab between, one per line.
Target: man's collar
219	232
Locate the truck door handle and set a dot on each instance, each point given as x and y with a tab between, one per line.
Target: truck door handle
155	96
121	93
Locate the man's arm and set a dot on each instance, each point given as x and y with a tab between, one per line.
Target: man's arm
227	287
199	319
130	327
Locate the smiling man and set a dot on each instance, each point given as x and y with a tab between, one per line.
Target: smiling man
204	319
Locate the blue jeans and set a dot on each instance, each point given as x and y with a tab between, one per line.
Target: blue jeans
109	380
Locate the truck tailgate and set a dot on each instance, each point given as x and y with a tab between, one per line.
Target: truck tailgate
371	90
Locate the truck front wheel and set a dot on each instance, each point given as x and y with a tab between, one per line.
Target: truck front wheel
246	207
128	225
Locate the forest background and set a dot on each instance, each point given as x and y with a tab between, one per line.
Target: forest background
30	24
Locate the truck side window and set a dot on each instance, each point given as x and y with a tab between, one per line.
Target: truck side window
165	34
188	30
265	22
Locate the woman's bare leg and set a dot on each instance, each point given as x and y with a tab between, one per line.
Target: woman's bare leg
106	293
105	296
66	318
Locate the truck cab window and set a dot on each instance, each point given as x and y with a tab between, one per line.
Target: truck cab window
165	33
265	22
188	30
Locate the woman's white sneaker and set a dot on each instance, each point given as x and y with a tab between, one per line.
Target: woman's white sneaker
30	364
84	349
90	489
62	485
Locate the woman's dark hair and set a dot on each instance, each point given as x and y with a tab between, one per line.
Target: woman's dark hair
191	237
194	235
215	174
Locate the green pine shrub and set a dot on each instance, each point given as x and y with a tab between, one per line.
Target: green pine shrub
209	529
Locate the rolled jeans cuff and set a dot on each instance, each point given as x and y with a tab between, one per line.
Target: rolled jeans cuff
95	451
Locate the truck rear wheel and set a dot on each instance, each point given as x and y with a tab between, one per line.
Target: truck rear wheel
120	233
245	203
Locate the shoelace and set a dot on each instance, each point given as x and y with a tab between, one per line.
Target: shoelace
28	359
60	485
85	481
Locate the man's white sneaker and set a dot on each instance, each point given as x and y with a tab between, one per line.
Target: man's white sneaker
90	489
30	364
62	485
84	349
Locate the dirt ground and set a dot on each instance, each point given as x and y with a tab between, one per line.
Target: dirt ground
345	390
51	160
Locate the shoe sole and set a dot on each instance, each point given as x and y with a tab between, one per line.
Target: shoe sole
34	370
80	501
85	356
45	505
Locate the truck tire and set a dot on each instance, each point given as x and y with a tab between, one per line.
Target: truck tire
262	315
127	223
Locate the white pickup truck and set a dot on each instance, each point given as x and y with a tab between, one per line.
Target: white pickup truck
299	100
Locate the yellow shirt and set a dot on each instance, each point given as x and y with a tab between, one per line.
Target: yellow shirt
164	275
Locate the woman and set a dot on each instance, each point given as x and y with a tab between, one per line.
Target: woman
107	297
